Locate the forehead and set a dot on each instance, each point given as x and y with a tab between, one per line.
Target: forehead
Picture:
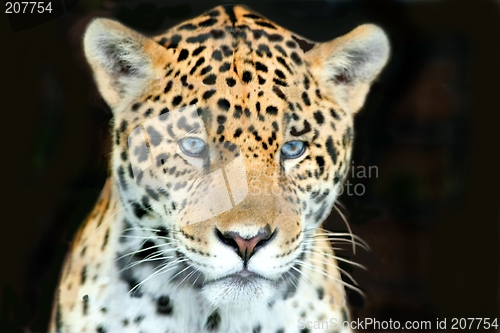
229	27
233	49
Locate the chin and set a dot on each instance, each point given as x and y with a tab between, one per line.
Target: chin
240	292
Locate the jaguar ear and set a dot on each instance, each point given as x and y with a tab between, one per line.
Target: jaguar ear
124	62
347	65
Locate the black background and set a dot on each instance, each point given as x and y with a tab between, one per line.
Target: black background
431	127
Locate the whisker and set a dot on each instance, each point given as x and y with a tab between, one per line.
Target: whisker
159	271
330	233
188	267
311	285
194	282
145	249
338	240
143	261
347	225
342	259
147	236
341	204
186	277
302	273
345	284
349	262
336	267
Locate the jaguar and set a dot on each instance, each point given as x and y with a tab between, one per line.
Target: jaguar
232	137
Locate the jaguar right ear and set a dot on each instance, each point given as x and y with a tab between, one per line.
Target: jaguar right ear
124	62
347	65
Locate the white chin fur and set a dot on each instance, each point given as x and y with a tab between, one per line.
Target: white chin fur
234	293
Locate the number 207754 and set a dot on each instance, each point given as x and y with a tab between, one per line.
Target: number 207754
28	7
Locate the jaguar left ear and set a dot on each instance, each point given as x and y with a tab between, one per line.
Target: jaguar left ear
347	65
124	62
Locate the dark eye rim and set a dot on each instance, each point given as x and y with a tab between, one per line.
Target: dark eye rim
202	153
299	154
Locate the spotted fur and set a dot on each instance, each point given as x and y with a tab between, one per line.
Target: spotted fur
159	252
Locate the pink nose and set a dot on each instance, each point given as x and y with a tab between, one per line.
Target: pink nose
246	247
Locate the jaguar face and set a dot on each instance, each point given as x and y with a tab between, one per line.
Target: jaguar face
232	138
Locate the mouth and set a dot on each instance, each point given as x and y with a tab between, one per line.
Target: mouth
241	278
241	289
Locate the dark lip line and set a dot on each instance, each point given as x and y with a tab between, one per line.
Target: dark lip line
252	275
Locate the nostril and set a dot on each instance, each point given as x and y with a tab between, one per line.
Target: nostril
226	240
266	239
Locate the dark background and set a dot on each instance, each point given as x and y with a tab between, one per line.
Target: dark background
431	126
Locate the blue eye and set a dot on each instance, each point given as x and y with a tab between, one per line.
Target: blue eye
193	147
293	149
